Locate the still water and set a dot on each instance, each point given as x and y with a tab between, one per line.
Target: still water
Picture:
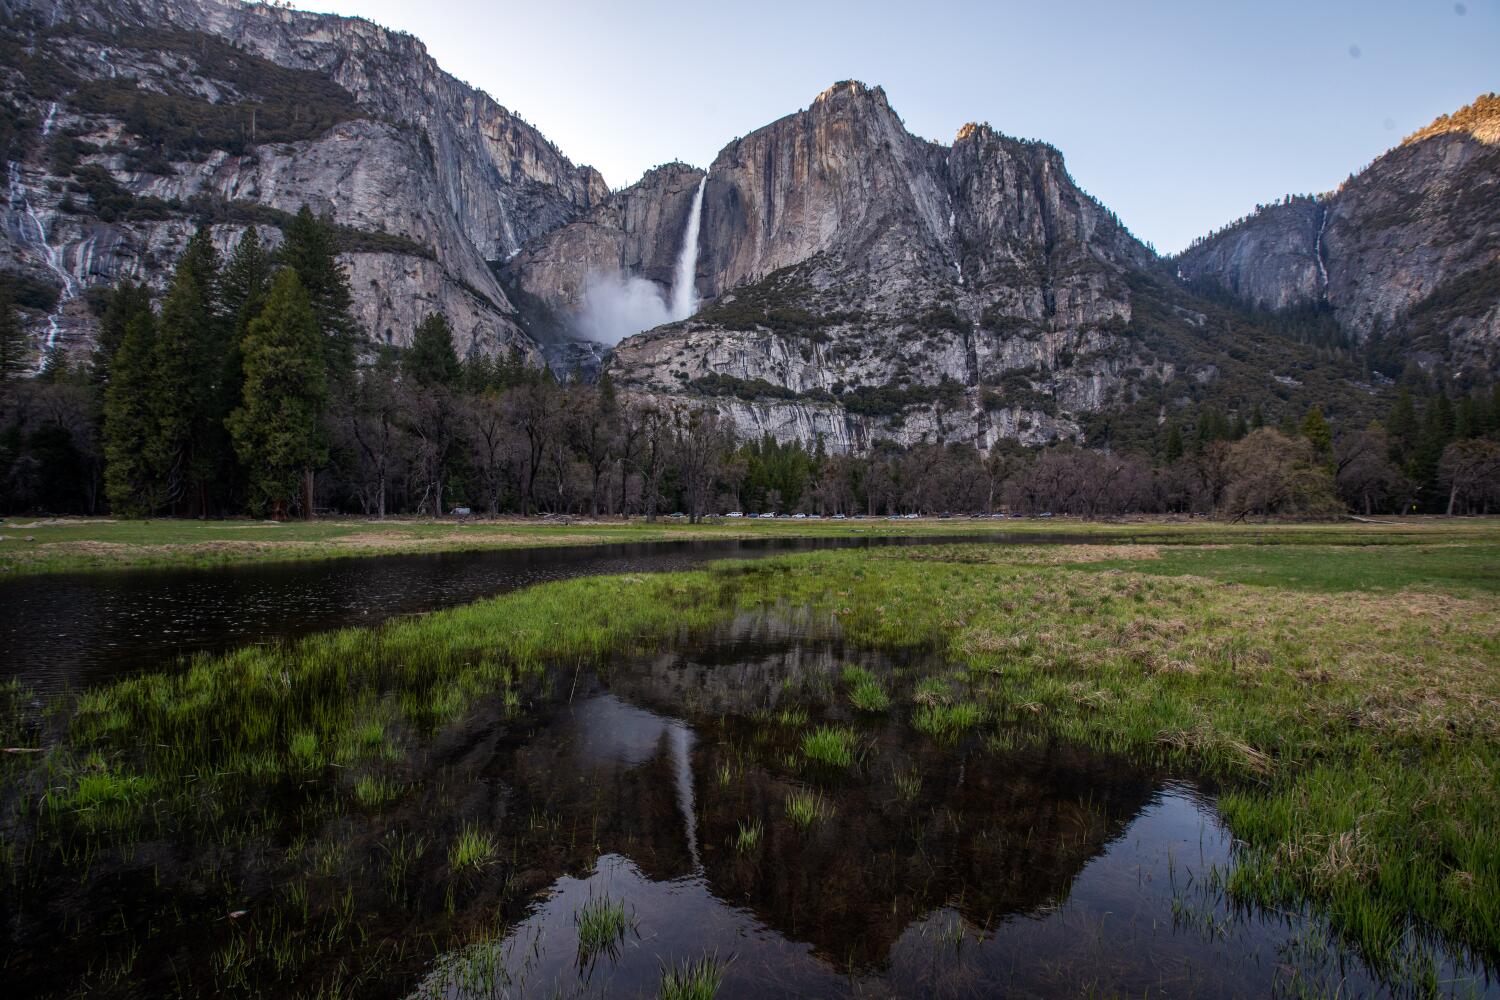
74	630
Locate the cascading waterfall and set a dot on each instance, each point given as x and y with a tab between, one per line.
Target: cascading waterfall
54	257
684	282
1318	246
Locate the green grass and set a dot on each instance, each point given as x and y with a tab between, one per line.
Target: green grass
602	924
82	545
947	722
747	836
832	746
472	850
804	808
865	690
695	980
1347	697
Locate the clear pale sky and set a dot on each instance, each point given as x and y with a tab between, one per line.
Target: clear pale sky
1179	116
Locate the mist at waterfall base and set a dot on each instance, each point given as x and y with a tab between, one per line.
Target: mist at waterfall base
616	306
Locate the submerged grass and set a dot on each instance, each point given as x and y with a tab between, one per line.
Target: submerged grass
866	693
472	850
1356	724
804	808
832	746
696	980
602	924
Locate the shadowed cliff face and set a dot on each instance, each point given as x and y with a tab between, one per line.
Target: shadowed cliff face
441	177
1390	249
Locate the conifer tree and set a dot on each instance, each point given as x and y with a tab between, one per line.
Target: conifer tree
431	359
276	428
126	301
188	446
309	249
130	422
1315	429
1174	443
242	294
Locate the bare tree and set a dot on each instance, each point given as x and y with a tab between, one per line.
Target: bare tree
1471	471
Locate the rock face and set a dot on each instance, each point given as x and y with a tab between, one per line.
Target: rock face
1408	248
432	178
636	232
866	284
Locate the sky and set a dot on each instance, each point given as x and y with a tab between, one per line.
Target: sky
1179	116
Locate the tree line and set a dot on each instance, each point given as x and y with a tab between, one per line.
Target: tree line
248	388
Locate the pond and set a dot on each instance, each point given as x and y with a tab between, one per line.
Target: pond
621	819
64	631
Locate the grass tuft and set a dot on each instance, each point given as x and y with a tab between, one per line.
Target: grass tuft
832	746
696	980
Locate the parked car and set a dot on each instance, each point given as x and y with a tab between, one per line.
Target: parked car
735	513
912	517
678	514
799	517
461	512
841	517
768	514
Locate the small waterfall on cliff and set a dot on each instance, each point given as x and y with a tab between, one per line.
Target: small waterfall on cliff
54	257
684	282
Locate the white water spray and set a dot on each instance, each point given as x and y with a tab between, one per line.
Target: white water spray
685	281
616	306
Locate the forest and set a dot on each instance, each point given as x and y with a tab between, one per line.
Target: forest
248	389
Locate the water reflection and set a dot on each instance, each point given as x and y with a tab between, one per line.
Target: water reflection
999	863
74	630
1037	871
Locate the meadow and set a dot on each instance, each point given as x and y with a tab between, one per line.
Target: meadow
66	545
1338	687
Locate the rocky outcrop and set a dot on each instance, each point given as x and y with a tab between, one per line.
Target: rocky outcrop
865	284
439	178
1406	248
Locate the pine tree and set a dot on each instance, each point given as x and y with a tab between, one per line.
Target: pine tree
188	448
126	301
1315	429
12	343
1403	428
309	249
242	294
1174	443
431	359
130	479
242	287
276	428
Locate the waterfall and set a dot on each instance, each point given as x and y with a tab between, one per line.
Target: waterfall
54	257
1318	246
684	282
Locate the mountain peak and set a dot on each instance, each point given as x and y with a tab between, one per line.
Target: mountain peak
1481	119
851	89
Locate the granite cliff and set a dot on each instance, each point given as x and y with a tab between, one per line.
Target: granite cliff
429	178
1406	251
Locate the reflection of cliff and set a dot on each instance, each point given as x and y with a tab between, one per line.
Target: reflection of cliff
991	835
